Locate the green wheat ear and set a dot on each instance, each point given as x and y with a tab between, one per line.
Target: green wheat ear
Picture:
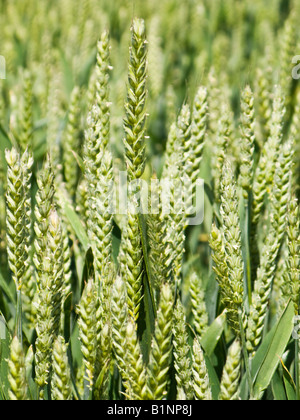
136	384
28	283
71	142
17	372
202	389
220	146
232	234
161	349
134	121
293	261
231	373
87	323
247	128
17	233
264	173
49	300
225	243
26	123
194	147
61	377
119	319
199	309
131	263
270	249
102	84
44	202
182	360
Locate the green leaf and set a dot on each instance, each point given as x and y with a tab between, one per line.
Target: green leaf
213	378
289	383
18	319
5	339
278	387
29	365
67	305
267	358
245	216
149	302
209	192
213	334
88	269
75	222
6	289
102	374
116	241
5	142
143	231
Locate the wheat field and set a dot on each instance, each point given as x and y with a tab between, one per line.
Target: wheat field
149	187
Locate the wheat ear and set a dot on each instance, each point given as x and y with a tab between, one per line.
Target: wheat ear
202	389
231	373
17	372
61	389
159	362
134	122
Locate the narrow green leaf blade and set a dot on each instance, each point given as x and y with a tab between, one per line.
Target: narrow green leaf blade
6	289
143	231
213	334
278	387
5	339
270	358
289	387
149	302
213	378
75	222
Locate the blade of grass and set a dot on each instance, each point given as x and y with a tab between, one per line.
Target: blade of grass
246	250
213	334
143	231
75	222
278	387
289	383
18	321
297	369
246	356
6	289
4	353
267	358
